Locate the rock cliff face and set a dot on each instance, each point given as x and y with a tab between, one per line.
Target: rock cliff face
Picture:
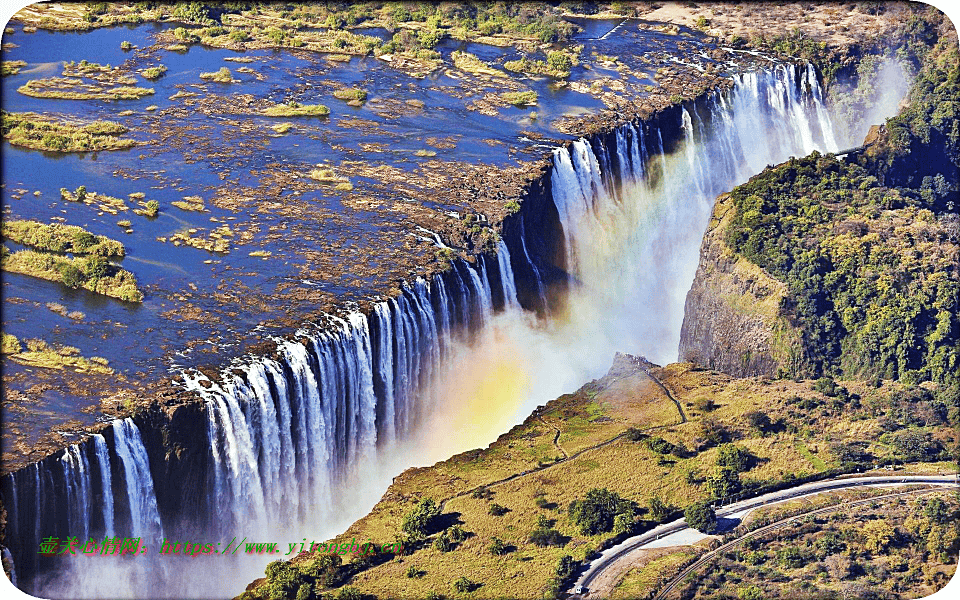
733	320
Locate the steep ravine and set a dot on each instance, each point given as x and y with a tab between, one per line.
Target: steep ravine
279	436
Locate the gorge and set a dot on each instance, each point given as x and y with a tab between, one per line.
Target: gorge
300	436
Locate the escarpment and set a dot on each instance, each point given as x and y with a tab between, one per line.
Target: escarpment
733	320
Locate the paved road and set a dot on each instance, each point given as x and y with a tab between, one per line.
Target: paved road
606	569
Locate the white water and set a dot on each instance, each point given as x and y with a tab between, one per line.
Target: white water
303	445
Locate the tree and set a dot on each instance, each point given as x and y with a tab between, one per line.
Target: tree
731	456
559	61
71	275
595	514
566	567
701	517
623	523
420	521
95	267
878	535
724	482
659	510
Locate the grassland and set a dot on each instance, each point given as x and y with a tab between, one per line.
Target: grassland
471	64
520	98
899	548
584	441
153	73
60	238
29	130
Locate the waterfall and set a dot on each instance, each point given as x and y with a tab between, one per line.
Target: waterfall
506	272
77	483
103	462
631	249
144	517
289	434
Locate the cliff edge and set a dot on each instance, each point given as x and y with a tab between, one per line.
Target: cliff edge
732	316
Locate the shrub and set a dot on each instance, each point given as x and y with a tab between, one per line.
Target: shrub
635	435
701	517
152	207
545	536
520	98
420	521
443	543
414	571
464	585
498	548
559	61
457	533
497	510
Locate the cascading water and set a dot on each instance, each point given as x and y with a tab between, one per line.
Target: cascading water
302	443
632	246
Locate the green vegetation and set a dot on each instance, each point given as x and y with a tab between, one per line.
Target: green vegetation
60	238
222	76
840	240
558	63
10	344
11	67
421	521
150	209
93	273
154	72
866	249
700	516
520	99
294	109
190	203
33	131
471	64
42	355
125	45
351	94
596	513
891	548
67	89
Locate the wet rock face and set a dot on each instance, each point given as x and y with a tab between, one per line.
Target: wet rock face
732	318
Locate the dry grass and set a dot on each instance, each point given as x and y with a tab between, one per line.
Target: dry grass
597	413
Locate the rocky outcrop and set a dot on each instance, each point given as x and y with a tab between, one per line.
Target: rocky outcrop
732	316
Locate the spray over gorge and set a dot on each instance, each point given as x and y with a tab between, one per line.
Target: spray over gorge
372	306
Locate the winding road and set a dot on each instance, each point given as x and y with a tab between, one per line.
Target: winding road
602	575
